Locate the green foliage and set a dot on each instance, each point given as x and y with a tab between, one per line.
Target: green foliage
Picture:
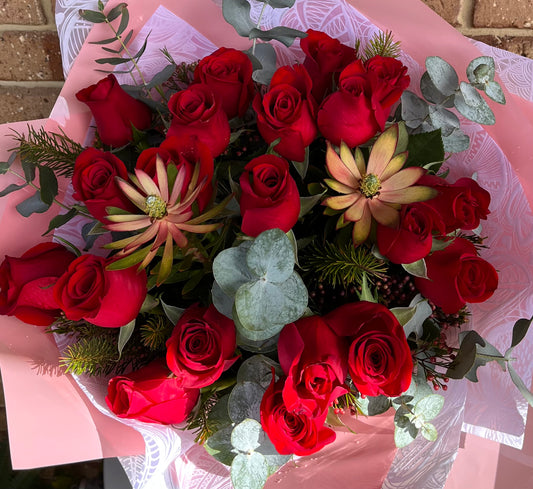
343	264
382	44
94	356
155	331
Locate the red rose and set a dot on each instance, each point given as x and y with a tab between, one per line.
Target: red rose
462	205
26	283
325	58
292	432
269	197
115	111
347	114
95	185
457	275
108	298
197	112
413	238
228	73
314	359
388	79
379	359
151	395
201	347
287	111
185	152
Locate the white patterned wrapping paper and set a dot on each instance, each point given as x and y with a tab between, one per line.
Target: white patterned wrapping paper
493	408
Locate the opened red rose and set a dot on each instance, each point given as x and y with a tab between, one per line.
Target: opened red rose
94	182
115	111
457	275
314	359
201	347
152	395
324	60
413	238
379	359
184	152
26	283
292	432
269	197
462	204
108	298
197	112
228	73
288	112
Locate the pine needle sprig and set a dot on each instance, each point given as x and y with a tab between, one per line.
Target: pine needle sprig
54	150
155	331
199	422
93	356
343	264
382	44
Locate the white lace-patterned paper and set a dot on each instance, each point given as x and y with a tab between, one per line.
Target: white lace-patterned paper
172	460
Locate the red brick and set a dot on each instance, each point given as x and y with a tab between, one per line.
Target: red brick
22	12
516	44
22	104
30	56
503	13
447	9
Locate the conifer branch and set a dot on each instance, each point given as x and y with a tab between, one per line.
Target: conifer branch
382	44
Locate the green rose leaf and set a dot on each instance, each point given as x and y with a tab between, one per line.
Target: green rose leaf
244	401
271	256
249	471
173	313
246	436
425	148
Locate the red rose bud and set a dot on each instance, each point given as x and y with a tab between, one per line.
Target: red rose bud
95	185
379	359
457	275
184	152
228	73
269	197
287	112
325	59
292	432
197	112
115	111
314	359
151	395
107	298
201	347
413	238
26	283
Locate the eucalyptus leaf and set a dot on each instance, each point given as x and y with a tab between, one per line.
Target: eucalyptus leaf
173	313
374	405
60	219
471	105
237	13
403	436
520	330
302	166
271	256
444	120
456	142
432	94
429	432
485	354
223	302
246	436
33	204
442	75
265	54
279	3
219	445
481	70
13	187
261	346
115	12
285	35
124	335
466	356
92	16
249	471
230	269
258	369
429	407
28	168
124	20
412	318
244	401
417	268
307	203
48	184
112	61
414	109
494	92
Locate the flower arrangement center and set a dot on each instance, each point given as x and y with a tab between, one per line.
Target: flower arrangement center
370	186
155	207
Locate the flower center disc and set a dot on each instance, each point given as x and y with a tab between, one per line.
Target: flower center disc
370	186
155	207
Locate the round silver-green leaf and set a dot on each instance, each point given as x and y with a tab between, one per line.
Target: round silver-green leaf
244	401
247	435
230	269
249	471
442	75
429	406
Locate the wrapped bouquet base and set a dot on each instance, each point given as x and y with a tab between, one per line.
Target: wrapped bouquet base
501	157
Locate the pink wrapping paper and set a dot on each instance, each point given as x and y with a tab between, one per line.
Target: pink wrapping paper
411	22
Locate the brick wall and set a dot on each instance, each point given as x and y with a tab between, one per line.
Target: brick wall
30	62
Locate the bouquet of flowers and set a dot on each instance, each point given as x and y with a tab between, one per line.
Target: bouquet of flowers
256	250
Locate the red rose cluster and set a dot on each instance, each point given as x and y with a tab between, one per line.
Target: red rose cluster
456	274
316	353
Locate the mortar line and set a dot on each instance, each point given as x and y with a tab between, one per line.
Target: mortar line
31	84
